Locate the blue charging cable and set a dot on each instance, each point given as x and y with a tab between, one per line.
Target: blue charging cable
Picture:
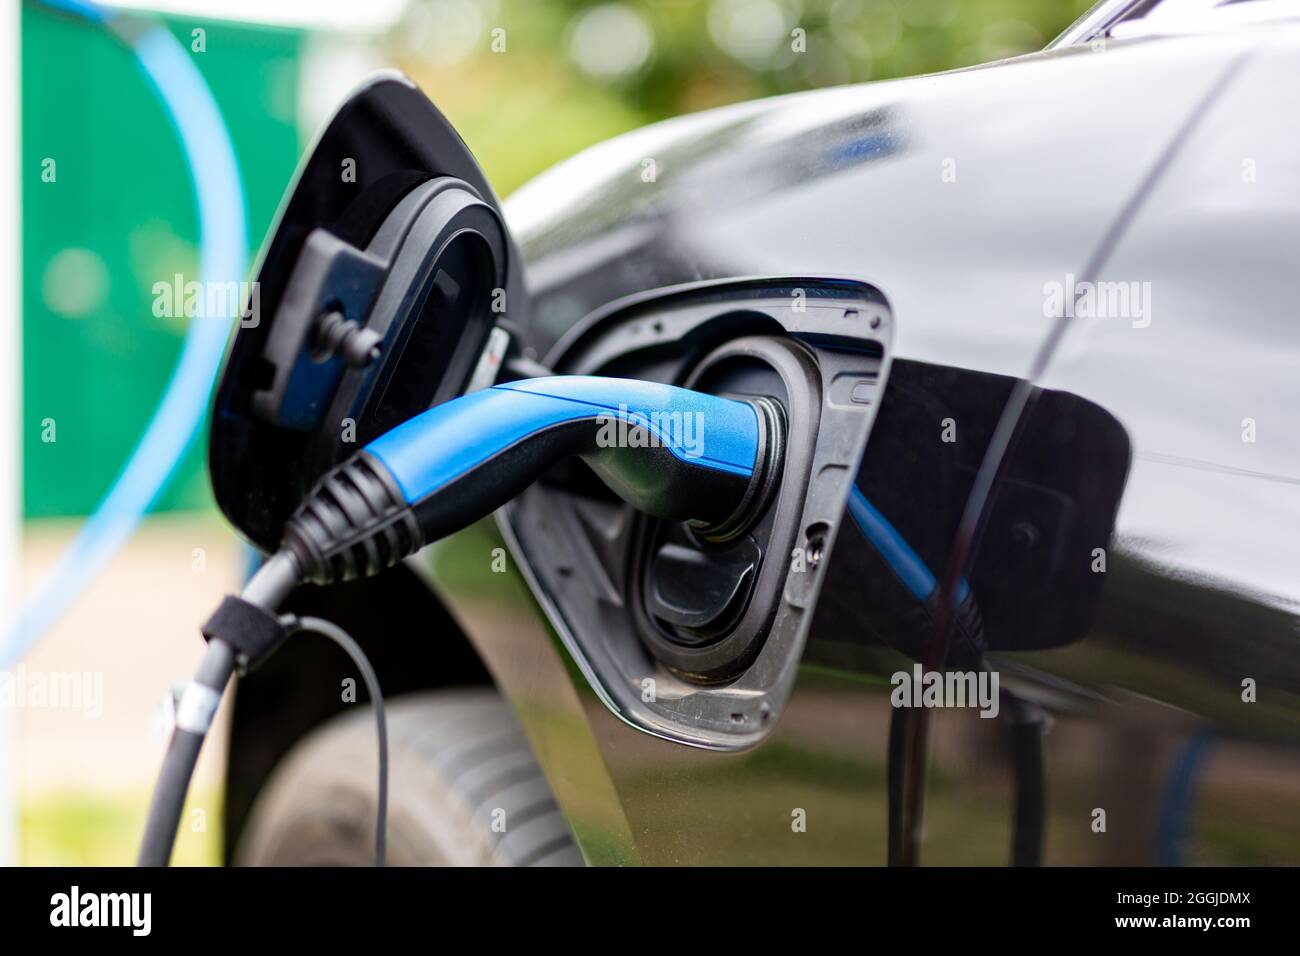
667	451
190	106
902	559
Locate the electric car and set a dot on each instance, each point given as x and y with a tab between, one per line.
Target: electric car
1031	334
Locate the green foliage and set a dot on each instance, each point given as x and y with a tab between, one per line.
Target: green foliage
97	828
525	107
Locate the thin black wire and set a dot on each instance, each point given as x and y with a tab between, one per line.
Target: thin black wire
344	640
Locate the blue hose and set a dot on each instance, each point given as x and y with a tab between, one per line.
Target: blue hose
1178	801
897	553
222	258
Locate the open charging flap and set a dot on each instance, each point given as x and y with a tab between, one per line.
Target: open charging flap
377	290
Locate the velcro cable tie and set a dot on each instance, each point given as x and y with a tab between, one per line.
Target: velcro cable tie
254	632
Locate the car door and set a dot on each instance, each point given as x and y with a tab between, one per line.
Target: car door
1167	724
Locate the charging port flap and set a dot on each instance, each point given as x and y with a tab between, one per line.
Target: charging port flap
691	635
376	292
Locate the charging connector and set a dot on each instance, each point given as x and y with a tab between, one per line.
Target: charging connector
668	451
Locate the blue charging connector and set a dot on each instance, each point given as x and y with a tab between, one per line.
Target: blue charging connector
697	430
668	451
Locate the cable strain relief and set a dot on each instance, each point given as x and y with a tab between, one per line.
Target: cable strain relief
355	523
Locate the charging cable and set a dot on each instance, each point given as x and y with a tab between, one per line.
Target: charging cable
189	104
668	451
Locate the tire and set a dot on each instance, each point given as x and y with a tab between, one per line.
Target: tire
458	762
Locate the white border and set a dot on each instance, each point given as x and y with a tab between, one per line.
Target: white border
11	394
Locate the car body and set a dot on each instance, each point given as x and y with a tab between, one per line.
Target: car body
1083	407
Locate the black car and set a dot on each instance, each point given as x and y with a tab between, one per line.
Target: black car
1028	586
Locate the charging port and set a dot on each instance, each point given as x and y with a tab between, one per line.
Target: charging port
704	604
696	633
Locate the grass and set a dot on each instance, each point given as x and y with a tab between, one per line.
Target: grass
103	829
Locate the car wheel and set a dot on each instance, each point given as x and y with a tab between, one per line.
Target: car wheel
464	790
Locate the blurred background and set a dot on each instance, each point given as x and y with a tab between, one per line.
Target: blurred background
527	83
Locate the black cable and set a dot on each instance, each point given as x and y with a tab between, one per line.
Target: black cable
344	640
1028	723
195	709
182	754
898	722
198	703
